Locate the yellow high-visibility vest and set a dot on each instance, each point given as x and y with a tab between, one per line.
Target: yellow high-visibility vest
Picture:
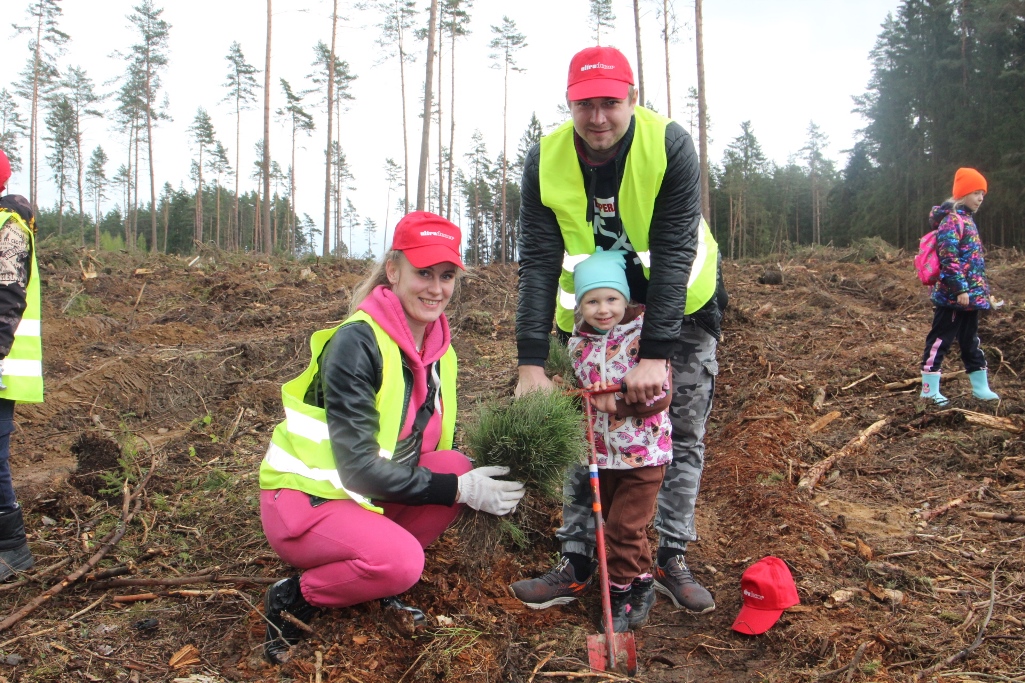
300	456
23	366
562	190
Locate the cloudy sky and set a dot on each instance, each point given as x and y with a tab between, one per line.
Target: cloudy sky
779	65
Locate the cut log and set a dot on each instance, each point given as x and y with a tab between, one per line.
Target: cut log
820	424
1003	424
813	475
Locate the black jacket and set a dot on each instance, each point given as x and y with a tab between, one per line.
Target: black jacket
350	377
672	242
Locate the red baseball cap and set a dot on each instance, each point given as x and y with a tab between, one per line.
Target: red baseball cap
599	72
5	170
427	239
768	588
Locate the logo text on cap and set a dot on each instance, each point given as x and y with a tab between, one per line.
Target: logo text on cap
599	65
435	233
753	595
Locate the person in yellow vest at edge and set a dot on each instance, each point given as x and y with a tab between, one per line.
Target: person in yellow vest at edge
615	177
21	356
361	476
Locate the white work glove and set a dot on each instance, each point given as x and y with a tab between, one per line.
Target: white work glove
479	490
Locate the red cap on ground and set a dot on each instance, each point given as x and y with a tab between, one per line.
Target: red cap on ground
968	180
428	239
5	170
599	72
768	588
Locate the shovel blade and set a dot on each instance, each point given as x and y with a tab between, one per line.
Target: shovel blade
625	648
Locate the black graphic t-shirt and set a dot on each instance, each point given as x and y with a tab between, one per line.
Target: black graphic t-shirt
602	183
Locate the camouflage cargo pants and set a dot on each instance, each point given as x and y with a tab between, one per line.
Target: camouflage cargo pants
694	371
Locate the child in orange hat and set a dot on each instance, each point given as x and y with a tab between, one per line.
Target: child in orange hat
962	290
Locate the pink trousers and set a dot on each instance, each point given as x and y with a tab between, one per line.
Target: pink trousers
349	554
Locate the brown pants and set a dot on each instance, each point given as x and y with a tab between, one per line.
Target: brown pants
628	506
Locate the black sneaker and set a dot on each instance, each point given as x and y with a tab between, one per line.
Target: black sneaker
642	598
406	618
675	581
281	635
621	611
558	587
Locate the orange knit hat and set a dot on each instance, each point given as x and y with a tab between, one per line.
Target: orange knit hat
966	181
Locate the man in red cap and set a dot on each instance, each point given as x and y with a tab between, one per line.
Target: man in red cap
618	176
21	356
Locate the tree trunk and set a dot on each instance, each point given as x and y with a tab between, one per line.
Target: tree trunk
441	150
326	235
702	110
217	212
267	246
198	232
665	40
405	125
149	147
505	138
167	220
452	123
640	61
236	234
81	192
33	161
425	136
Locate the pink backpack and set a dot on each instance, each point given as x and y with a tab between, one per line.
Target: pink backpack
927	261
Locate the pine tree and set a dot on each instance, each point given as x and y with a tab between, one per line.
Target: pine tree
79	90
370	229
60	123
218	164
350	217
151	55
265	235
602	17
669	29
640	60
396	23
299	121
393	176
456	26
702	109
330	140
202	130
333	73
507	42
96	184
242	88
40	73
12	128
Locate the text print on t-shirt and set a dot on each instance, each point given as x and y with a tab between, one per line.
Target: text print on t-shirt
606	208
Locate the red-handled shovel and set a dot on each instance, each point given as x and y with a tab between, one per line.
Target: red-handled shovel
609	651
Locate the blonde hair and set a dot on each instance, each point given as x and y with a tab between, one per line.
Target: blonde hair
379	276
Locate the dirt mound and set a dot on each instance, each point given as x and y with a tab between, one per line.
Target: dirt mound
188	361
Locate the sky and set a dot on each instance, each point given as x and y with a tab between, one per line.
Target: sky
779	65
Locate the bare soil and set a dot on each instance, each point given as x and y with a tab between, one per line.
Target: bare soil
187	362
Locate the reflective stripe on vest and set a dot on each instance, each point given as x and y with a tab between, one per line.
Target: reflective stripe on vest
562	190
23	366
300	455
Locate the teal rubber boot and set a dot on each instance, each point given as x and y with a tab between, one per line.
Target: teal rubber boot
980	386
931	387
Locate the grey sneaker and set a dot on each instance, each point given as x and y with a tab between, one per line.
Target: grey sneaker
642	599
675	581
621	611
558	587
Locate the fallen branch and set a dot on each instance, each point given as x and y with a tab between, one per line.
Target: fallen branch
770	416
905	383
998	516
142	597
991	421
813	475
950	505
957	656
131	504
856	383
181	581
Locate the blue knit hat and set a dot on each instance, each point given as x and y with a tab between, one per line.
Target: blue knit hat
601	269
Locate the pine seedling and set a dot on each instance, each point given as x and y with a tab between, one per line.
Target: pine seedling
559	362
537	437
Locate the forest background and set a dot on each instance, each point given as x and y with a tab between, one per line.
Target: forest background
943	87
